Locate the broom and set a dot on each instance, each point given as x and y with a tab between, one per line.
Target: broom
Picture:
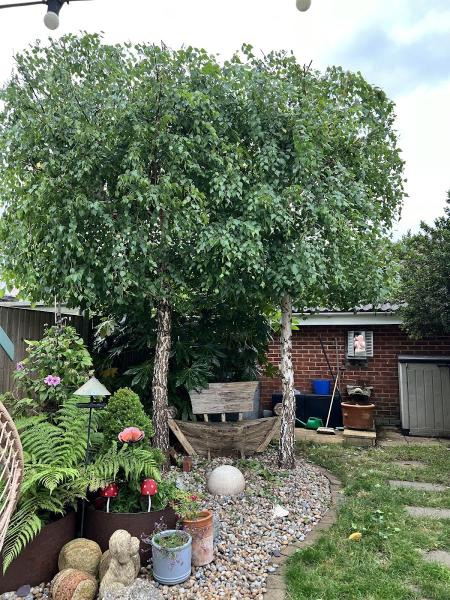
326	429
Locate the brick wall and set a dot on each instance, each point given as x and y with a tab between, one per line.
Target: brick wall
381	371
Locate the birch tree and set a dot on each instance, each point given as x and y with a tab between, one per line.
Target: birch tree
109	156
324	185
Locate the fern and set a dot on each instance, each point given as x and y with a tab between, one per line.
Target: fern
128	464
54	477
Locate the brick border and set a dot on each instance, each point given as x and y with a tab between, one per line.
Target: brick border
275	583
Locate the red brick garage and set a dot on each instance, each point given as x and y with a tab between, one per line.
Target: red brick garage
379	370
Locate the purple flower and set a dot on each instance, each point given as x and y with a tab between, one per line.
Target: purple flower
20	366
53	380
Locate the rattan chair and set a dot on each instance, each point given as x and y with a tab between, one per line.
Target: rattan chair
11	470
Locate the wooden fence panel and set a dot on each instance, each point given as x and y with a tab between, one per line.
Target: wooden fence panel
22	324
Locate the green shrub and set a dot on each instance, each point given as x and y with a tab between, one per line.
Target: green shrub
124	410
60	354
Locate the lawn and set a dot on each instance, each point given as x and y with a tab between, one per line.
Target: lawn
386	564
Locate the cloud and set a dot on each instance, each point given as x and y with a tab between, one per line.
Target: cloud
400	66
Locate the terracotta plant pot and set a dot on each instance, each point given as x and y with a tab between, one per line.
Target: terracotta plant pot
100	525
202	533
358	416
39	560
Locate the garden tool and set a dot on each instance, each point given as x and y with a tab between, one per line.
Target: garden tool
312	422
326	429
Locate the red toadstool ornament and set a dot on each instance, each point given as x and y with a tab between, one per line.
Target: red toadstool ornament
110	491
149	488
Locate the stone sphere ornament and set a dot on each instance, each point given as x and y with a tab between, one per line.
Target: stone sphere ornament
226	480
80	554
72	584
303	5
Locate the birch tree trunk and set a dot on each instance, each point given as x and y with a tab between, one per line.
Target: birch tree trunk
160	373
286	448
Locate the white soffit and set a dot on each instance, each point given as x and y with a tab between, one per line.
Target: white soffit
349	318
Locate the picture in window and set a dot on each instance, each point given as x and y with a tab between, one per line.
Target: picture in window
359	343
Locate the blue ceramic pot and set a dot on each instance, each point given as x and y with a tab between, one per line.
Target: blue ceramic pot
172	566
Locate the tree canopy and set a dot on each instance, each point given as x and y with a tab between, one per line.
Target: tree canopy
424	275
158	175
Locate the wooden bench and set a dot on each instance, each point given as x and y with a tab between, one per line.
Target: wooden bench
225	437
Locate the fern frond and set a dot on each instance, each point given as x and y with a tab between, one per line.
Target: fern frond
24	527
131	464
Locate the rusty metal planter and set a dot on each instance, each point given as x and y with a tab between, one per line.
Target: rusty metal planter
358	416
38	562
100	526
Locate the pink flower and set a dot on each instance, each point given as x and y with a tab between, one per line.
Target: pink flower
194	498
131	435
52	380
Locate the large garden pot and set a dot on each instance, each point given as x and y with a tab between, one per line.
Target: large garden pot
172	566
358	416
202	532
100	525
38	563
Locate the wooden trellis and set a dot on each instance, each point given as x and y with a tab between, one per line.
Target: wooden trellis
11	470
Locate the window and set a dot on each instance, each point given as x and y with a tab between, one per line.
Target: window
360	344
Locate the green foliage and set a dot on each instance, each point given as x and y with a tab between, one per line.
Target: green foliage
186	505
61	352
425	278
321	181
172	541
110	154
53	479
124	409
128	466
220	343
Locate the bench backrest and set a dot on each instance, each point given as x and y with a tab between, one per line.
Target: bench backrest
225	398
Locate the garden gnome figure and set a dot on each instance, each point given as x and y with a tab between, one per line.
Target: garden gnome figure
121	571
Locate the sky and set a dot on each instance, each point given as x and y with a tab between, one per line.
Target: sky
402	46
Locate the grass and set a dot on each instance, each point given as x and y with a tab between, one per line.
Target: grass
387	563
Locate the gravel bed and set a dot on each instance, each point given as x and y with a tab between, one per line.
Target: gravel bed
250	537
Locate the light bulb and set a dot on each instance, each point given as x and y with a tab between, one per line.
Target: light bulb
303	5
51	20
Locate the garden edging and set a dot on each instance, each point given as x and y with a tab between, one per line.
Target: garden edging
275	583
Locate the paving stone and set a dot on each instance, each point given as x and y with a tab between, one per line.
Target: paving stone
417	485
440	556
430	513
275	594
410	463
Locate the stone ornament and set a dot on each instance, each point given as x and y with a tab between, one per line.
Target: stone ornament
226	480
139	590
72	584
82	555
106	560
121	572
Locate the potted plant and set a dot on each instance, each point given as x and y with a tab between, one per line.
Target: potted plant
125	479
172	555
198	522
53	436
358	412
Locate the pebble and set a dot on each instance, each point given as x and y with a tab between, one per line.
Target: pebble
249	537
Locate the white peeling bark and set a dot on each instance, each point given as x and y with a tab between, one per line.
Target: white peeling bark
160	374
286	457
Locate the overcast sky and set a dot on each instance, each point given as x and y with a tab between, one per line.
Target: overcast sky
400	45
